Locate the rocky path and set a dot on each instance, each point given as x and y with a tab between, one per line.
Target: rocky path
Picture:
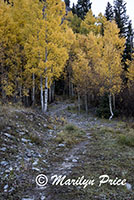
28	148
88	157
79	121
68	159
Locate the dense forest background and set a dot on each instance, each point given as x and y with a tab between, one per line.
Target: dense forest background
48	49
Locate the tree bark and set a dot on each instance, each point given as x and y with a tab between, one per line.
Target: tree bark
41	94
46	95
33	92
110	107
46	54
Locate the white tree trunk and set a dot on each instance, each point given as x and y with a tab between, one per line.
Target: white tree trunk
110	107
41	94
46	53
46	95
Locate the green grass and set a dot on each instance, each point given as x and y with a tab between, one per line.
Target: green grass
70	135
106	156
127	139
70	128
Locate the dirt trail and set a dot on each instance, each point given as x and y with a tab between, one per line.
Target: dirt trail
93	154
83	159
74	156
67	160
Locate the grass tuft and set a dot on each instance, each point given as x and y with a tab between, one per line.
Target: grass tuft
126	139
70	135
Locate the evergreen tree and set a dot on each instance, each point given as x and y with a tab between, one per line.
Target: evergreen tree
67	2
121	17
109	12
74	9
82	8
127	56
129	42
126	31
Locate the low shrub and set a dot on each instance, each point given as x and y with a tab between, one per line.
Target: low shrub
126	139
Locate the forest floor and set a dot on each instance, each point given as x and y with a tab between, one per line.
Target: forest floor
61	142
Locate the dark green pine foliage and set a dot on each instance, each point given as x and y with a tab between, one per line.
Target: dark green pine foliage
129	45
129	42
126	30
67	2
109	14
82	7
73	9
120	16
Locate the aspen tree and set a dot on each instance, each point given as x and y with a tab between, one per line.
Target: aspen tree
85	65
50	44
9	50
89	24
111	68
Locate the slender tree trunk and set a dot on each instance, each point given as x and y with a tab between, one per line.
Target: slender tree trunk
46	54
110	98
33	92
41	94
79	103
86	104
110	107
46	95
46	87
